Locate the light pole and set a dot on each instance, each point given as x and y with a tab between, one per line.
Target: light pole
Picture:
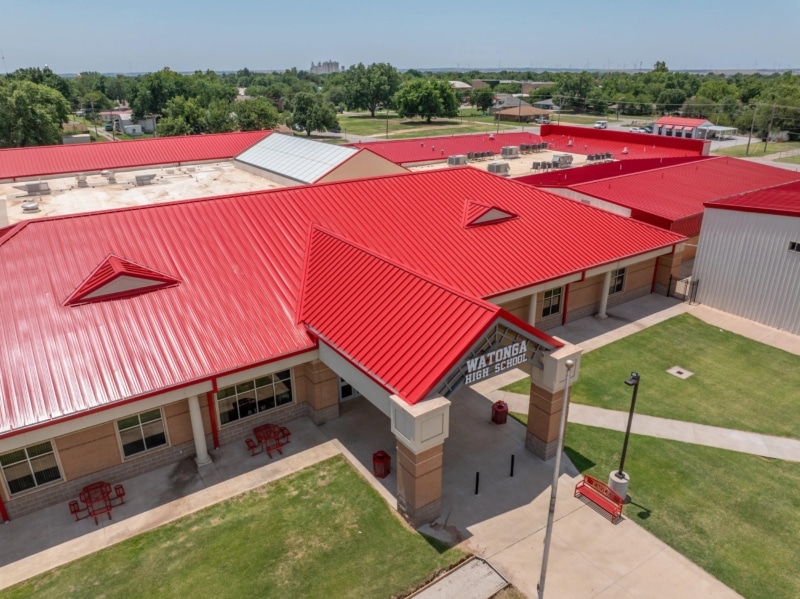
569	364
619	480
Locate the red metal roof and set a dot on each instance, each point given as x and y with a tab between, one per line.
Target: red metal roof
605	170
409	151
679	122
240	261
478	213
404	330
783	200
20	163
666	196
104	283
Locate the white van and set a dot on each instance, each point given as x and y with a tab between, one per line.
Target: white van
601	124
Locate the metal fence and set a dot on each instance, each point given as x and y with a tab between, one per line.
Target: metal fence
684	289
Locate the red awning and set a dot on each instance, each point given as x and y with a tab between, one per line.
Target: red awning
668	127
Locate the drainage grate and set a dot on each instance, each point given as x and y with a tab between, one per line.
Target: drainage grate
680	372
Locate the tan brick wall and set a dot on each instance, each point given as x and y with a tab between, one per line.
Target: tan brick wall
88	451
669	264
419	483
690	249
585	293
179	424
319	387
518	307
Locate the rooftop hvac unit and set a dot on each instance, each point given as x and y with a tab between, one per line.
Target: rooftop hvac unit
144	179
510	152
499	168
30	206
457	160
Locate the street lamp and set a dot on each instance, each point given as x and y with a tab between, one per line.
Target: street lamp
619	480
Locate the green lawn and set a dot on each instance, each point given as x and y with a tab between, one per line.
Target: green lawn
738	383
735	515
323	532
402	128
757	148
790	159
477	128
575	120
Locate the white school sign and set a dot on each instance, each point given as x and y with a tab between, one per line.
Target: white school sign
495	362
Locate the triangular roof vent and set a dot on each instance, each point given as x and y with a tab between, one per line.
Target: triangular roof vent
477	213
117	278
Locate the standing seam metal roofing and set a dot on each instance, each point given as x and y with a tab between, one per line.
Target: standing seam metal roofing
303	160
404	330
18	163
783	200
240	260
680	191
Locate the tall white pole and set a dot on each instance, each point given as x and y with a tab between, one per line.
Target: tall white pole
570	364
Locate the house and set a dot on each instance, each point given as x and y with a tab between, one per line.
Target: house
673	126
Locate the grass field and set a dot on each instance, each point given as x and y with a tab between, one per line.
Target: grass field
400	128
737	383
735	515
463	130
790	159
757	149
575	120
323	532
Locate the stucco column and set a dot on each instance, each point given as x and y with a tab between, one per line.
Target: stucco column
547	400
532	311
420	430
198	432
604	295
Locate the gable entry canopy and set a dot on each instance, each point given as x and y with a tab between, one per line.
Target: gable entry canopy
410	336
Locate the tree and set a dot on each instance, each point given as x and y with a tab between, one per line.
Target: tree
372	86
31	114
670	99
660	67
181	117
483	98
219	117
43	76
155	90
313	112
427	98
256	114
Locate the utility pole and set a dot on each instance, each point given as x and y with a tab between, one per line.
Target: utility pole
752	126
769	129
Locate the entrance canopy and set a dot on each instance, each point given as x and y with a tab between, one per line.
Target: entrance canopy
413	336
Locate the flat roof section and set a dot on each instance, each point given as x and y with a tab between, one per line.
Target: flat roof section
167	185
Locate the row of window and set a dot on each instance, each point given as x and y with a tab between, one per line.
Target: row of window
36	465
552	297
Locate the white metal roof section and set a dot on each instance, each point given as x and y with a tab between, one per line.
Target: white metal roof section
303	160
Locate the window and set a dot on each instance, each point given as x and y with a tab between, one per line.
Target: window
552	302
617	281
794	246
252	397
142	432
30	467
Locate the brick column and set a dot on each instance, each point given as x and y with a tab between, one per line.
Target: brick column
321	392
198	432
420	431
668	265
419	484
547	400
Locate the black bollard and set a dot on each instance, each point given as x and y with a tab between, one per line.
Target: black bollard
512	465
477	481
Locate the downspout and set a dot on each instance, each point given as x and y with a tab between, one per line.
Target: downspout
566	302
3	512
655	273
212	413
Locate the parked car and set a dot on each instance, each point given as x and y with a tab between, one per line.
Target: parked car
648	128
637	130
542	120
601	125
108	127
335	129
297	127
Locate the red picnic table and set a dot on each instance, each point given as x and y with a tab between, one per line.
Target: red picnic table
272	437
98	499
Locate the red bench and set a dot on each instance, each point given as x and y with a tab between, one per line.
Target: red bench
601	495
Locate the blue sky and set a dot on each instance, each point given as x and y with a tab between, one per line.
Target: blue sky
85	35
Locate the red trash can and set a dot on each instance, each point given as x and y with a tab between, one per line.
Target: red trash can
381	464
499	412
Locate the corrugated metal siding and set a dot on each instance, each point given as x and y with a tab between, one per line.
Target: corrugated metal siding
745	267
240	261
19	163
303	160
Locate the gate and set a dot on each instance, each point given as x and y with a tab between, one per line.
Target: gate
684	289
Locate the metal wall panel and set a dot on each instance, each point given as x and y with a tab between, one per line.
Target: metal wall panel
745	267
